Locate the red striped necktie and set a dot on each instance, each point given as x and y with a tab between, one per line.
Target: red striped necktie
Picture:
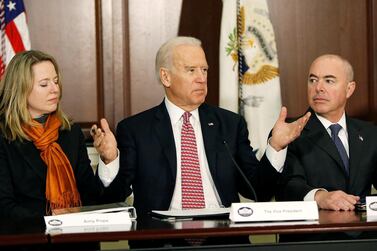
192	188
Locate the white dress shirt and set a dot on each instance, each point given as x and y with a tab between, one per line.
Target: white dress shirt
107	173
211	196
343	135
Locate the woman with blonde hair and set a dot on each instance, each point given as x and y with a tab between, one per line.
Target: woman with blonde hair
44	164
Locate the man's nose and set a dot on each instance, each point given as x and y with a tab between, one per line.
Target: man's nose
201	76
319	87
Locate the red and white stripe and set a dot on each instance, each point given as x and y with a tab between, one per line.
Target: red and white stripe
17	37
14	37
2	38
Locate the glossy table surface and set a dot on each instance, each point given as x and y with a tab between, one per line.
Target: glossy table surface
32	231
22	232
151	228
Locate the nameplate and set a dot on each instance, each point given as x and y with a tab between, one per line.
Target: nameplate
371	207
85	220
88	229
274	211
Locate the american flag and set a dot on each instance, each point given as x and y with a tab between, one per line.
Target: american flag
14	32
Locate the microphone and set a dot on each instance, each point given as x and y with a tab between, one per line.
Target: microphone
241	172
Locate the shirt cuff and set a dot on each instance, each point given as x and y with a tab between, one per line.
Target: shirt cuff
276	158
107	173
310	196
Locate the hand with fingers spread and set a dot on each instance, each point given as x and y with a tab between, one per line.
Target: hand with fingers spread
284	133
336	200
104	142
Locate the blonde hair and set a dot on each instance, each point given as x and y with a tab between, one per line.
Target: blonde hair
164	54
15	88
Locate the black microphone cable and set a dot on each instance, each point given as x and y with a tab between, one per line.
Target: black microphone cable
241	172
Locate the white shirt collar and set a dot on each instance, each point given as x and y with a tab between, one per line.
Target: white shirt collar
175	112
326	123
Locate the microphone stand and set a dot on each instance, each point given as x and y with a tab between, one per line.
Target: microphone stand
241	172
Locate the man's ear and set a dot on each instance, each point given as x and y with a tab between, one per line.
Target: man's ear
351	86
165	77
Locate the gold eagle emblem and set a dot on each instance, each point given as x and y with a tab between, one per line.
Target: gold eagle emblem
264	74
239	41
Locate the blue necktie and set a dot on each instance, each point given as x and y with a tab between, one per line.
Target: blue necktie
335	128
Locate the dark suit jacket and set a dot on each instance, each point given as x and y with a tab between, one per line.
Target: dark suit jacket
148	157
314	162
23	176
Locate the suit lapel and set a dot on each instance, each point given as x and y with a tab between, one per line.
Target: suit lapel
164	132
68	147
165	135
319	136
31	155
210	127
356	145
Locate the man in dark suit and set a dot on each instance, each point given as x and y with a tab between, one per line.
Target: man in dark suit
150	142
334	168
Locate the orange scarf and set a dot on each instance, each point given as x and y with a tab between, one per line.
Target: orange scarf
61	190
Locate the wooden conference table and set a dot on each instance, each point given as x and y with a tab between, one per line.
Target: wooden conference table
22	232
30	232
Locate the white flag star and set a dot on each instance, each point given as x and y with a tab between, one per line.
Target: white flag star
11	6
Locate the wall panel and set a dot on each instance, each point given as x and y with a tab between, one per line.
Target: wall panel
67	30
305	29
